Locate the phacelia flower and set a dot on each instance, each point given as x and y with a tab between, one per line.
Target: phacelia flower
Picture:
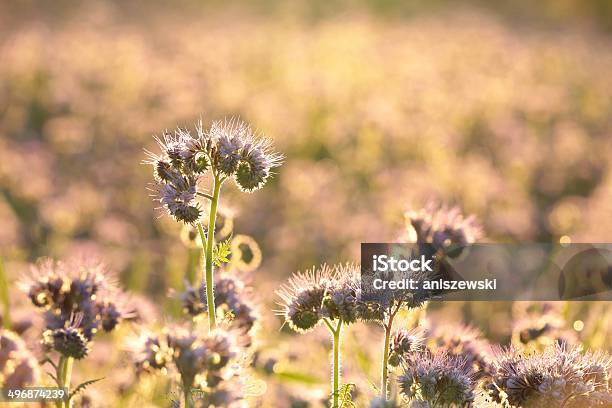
149	352
243	155
302	299
233	299
245	255
537	326
466	342
208	362
18	367
447	229
341	301
327	292
229	148
65	290
69	342
439	379
404	344
561	376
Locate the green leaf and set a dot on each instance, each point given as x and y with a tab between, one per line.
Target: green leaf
221	252
345	397
82	386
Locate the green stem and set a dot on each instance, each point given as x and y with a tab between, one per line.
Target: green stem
336	384
209	239
384	381
187	395
385	362
65	375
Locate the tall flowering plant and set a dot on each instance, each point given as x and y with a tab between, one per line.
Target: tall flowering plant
229	149
78	299
437	230
328	295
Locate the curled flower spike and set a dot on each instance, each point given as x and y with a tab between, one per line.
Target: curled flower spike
209	363
561	376
302	299
342	298
229	149
178	196
404	343
69	341
149	352
201	355
240	153
233	298
246	255
85	289
446	228
466	342
79	299
439	380
327	292
329	295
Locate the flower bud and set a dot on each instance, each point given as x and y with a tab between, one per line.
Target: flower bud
69	342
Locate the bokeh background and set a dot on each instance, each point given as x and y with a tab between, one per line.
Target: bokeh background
502	108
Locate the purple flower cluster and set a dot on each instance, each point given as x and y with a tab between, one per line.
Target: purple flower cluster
79	299
229	149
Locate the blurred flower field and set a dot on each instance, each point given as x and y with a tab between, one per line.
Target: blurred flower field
375	115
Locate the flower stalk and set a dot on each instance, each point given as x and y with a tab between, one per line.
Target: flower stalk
336	332
187	395
65	376
229	149
388	325
385	363
209	238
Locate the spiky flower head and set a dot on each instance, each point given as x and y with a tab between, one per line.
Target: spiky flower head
466	342
404	344
242	154
233	301
84	288
229	393
206	361
326	292
438	379
18	367
203	360
537	326
561	376
446	228
149	351
379	305
230	148
69	342
341	302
